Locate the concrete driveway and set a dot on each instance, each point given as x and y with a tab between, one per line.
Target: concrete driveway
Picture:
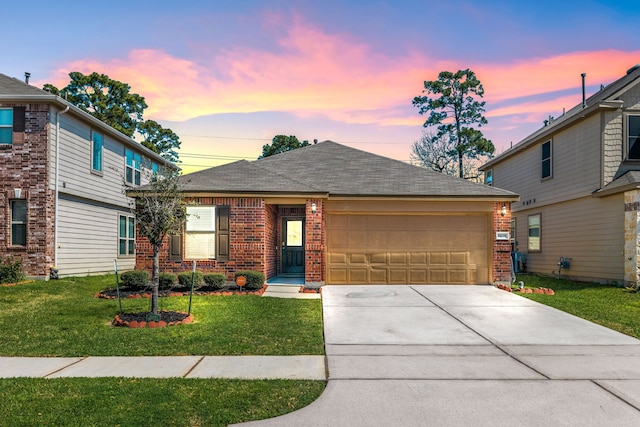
467	356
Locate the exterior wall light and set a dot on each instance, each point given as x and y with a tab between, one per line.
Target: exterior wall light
314	208
503	211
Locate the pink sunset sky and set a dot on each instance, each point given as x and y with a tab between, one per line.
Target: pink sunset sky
227	76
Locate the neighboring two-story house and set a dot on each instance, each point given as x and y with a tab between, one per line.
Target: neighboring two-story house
61	185
578	178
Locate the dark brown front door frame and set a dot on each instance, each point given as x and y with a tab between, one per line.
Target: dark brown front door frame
292	259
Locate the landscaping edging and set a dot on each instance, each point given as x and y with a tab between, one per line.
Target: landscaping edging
305	290
181	294
118	321
544	291
16	283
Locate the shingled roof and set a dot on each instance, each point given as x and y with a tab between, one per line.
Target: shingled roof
10	86
336	170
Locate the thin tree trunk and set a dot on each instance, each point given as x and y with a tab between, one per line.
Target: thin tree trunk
155	279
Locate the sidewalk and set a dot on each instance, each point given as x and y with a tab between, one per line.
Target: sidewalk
241	367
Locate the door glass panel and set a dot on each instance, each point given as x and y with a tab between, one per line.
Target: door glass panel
294	232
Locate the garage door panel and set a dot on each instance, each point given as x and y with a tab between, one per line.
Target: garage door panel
386	249
398	258
378	258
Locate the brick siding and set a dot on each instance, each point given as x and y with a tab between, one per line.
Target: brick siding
501	248
25	165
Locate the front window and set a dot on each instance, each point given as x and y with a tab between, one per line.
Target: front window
126	235
488	177
546	159
514	243
633	136
6	125
96	152
134	162
200	235
18	222
533	243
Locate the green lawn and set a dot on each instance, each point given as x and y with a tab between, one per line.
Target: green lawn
148	402
609	306
63	318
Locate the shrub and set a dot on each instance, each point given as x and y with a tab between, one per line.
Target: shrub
215	280
184	279
167	280
255	279
11	270
135	279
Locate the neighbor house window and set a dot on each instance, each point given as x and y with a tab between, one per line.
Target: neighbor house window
533	243
18	222
200	232
6	125
126	235
633	135
154	167
488	177
546	159
96	152
134	162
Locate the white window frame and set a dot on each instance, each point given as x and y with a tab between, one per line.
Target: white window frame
488	177
97	168
200	232
629	136
132	171
548	159
8	126
534	243
16	222
129	236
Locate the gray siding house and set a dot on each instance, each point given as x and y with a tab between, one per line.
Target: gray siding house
61	176
579	182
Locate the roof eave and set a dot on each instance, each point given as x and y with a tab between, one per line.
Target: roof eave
557	125
54	99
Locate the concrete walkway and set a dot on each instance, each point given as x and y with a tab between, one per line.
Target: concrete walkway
242	367
467	356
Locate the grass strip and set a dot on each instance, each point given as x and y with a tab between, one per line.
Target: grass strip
140	402
606	305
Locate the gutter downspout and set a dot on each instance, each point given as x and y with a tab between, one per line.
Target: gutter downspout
55	221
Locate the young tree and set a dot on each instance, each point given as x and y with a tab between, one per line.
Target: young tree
160	210
455	111
281	144
112	102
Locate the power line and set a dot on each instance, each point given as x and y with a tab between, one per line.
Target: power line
270	139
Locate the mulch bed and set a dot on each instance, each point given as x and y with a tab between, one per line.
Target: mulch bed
141	320
111	293
16	283
305	290
545	291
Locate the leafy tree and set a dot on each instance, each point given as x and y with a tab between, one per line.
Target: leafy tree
159	140
159	210
281	144
112	102
440	155
455	111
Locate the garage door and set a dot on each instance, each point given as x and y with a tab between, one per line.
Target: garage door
407	249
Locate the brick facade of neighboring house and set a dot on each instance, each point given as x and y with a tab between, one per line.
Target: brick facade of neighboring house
22	168
291	193
61	172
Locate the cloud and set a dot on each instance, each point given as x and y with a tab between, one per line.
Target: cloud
310	72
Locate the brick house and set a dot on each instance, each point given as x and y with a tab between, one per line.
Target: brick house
61	175
579	182
331	214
